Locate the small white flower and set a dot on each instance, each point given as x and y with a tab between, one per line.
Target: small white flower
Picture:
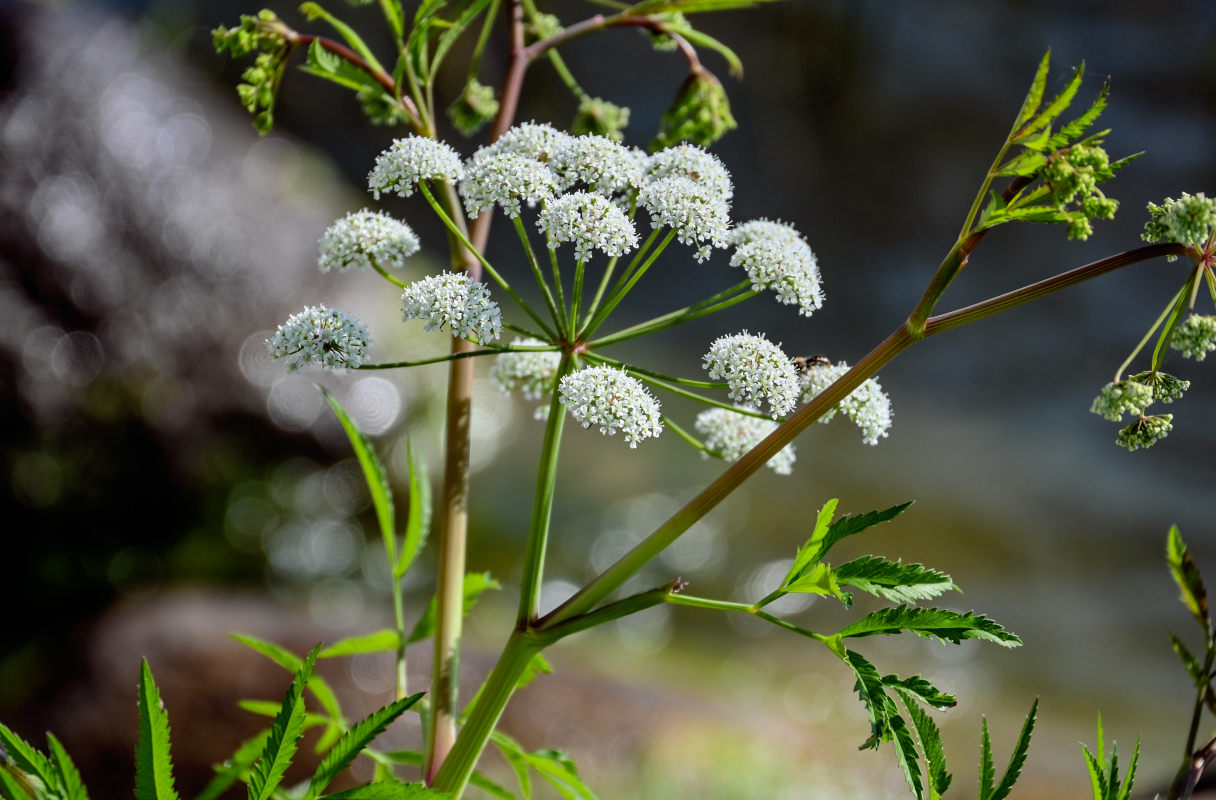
319	335
614	401
455	300
529	370
788	268
362	238
697	214
755	370
604	166
694	163
591	222
868	406
1195	337
730	435
410	160
505	179
756	230
529	139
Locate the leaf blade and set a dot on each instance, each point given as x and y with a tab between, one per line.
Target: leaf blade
153	761
347	748
284	737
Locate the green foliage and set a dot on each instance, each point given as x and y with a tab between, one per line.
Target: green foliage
473	109
1016	761
1059	170
389	790
1104	775
316	684
474	584
284	736
931	623
272	41
236	767
382	641
1190	583
26	758
354	741
28	774
70	785
893	580
554	766
153	763
699	114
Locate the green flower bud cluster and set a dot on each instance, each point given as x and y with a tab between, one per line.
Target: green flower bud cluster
266	35
1145	432
597	116
475	107
662	41
1196	336
545	26
1133	396
700	113
379	107
1189	220
1073	176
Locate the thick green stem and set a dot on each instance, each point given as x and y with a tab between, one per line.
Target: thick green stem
399	620
542	507
710	305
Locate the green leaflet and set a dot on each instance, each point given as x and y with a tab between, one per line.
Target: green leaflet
70	784
919	688
414	759
850	526
26	757
514	753
934	623
1188	661
1190	582
353	742
987	768
449	37
14	785
153	762
373	473
418	521
382	641
474	584
1103	775
807	554
314	11
316	684
234	768
930	737
561	773
893	580
389	790
1018	759
869	688
284	735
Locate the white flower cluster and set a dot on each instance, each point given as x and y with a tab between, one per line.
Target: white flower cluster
603	165
456	300
505	178
591	222
529	370
731	434
1195	337
868	406
694	210
530	139
694	163
755	370
614	401
363	238
318	335
777	257
410	160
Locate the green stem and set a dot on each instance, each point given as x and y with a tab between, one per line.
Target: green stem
399	620
618	296
599	293
567	77
649	377
554	314
464	241
1144	340
493	351
576	293
561	294
685	435
687	314
390	278
542	507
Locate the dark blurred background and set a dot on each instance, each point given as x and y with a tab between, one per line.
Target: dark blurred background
166	484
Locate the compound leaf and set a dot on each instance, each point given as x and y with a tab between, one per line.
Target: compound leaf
931	623
893	580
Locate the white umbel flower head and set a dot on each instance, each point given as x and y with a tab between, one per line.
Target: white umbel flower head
529	139
731	434
868	406
789	269
591	222
756	230
755	370
506	179
603	165
698	214
614	401
363	238
410	160
694	163
318	335
529	370
455	300
1195	337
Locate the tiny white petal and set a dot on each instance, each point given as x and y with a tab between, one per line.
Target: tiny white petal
755	370
530	139
363	237
591	222
868	406
698	214
455	300
613	400
318	335
410	160
505	178
692	162
602	165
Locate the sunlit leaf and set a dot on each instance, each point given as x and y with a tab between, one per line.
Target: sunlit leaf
382	641
893	580
1190	582
284	737
1018	759
153	762
934	623
353	742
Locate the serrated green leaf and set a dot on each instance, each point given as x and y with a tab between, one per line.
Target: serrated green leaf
418	519
284	735
322	59
851	526
931	623
805	558
26	757
314	11
514	754
373	473
316	684
382	641
869	688
1097	778
234	768
1186	574
389	790
1018	759
459	26
1034	97
893	580
921	689
14	786
71	787
1131	773
931	746
1188	661
819	580
353	742
905	748
1072	131
560	772
153	762
987	768
536	667
474	584
1055	108
342	77
269	708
